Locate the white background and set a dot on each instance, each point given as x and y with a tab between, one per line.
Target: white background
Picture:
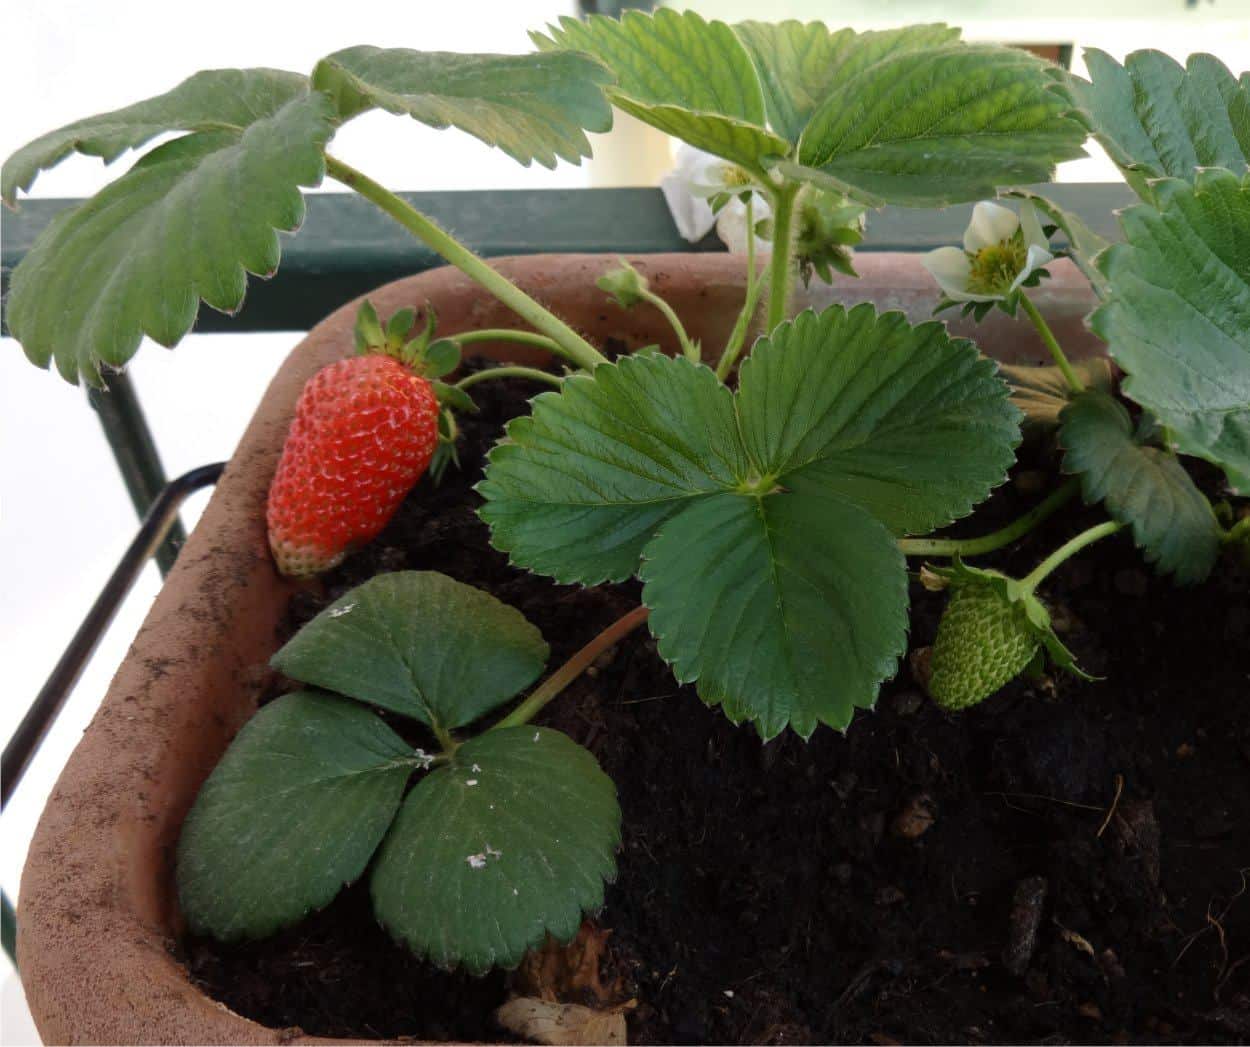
64	516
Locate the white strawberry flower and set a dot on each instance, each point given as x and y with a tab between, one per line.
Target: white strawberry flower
696	180
1001	251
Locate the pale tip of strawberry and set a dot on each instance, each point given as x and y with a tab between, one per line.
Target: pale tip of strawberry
301	561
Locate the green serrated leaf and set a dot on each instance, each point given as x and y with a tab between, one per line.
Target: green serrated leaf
580	485
1159	119
852	417
421	644
938	126
686	76
294	810
1178	317
787	610
137	257
213	100
799	63
907	422
1041	393
1145	487
509	842
534	107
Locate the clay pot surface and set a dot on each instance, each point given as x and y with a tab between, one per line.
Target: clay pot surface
98	910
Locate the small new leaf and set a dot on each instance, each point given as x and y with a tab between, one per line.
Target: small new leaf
534	107
1145	487
294	810
1176	319
189	221
509	841
1158	119
421	644
624	285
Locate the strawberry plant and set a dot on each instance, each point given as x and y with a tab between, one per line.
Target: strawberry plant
766	492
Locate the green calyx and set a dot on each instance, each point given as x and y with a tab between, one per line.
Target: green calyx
422	354
829	227
991	630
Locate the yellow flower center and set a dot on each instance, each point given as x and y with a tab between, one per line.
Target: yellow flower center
735	177
996	267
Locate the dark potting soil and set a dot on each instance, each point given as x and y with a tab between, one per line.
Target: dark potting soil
1067	862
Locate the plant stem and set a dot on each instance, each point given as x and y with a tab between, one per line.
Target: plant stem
781	268
1056	351
1068	549
511	371
573	668
1018	528
688	349
446	740
576	348
738	336
508	334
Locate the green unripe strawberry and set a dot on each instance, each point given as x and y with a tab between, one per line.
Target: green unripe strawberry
983	641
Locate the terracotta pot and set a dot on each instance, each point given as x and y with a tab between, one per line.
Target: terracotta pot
98	911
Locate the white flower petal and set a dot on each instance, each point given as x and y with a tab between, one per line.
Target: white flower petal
991	224
1031	227
1035	259
951	268
731	226
691	214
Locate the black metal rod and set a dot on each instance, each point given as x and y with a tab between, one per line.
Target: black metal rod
156	525
8	929
134	449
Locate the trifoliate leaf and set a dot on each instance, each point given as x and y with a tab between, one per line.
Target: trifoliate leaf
421	644
688	77
1178	318
799	63
533	107
1145	487
938	126
853	418
905	421
508	842
214	100
190	220
1159	119
787	610
294	810
1041	393
580	485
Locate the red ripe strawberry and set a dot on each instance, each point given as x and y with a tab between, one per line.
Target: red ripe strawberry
364	432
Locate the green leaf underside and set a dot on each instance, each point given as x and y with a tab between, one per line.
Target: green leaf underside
1145	487
1041	393
938	126
136	258
534	107
799	63
213	100
510	841
420	644
294	810
1178	319
1159	119
688	77
889	427
1083	243
786	610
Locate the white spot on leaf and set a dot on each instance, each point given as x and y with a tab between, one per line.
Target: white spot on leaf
338	612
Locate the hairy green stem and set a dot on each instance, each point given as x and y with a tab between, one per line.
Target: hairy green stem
1068	549
508	334
575	347
781	268
446	739
987	543
738	336
573	668
688	349
1056	351
510	371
